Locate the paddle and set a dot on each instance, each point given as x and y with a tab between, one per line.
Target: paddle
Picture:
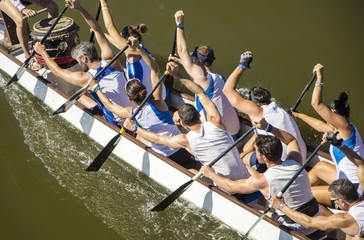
293	109
97	19
173	196
286	186
105	153
21	69
72	100
169	79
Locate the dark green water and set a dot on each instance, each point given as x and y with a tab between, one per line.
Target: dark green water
45	191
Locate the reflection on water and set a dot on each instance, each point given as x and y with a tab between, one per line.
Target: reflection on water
118	194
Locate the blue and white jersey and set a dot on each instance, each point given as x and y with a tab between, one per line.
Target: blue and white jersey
140	70
228	114
159	122
112	84
344	167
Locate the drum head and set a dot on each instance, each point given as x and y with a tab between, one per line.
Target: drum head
65	27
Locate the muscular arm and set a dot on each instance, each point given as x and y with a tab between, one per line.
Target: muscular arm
117	39
237	101
316	124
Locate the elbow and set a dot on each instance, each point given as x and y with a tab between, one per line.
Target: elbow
314	103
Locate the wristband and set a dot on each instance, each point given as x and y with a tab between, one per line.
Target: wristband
180	26
269	128
319	84
281	206
96	87
242	66
134	128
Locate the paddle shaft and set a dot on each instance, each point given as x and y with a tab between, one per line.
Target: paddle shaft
284	189
105	153
37	12
303	93
97	19
21	69
178	192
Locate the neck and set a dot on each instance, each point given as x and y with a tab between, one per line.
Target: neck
271	164
356	202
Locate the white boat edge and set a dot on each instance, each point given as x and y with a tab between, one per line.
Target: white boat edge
161	169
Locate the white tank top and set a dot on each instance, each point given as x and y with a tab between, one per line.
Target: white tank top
112	84
140	70
357	212
228	114
209	142
159	122
299	191
344	167
279	118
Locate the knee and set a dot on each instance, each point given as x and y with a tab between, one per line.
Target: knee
52	8
20	21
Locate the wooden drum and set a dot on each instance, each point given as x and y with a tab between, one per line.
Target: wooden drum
60	42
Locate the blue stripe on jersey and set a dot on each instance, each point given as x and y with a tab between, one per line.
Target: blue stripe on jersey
209	91
164	116
350	143
108	71
135	70
107	114
136	121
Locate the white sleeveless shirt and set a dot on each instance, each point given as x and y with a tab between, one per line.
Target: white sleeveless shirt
112	84
228	114
159	122
279	118
357	212
140	70
209	142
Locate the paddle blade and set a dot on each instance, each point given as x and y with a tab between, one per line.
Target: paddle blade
173	196
72	100
19	73
104	154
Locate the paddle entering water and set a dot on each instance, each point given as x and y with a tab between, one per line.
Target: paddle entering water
97	19
105	153
72	100
293	109
284	189
173	196
22	68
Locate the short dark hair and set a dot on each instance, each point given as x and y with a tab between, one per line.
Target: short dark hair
340	105
188	114
269	146
259	95
343	188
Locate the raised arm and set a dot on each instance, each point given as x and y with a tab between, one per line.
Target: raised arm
178	141
237	101
331	117
107	51
213	114
293	149
114	34
315	123
75	78
196	72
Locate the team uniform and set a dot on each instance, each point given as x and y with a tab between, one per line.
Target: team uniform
141	71
280	119
112	84
357	212
344	167
228	114
298	196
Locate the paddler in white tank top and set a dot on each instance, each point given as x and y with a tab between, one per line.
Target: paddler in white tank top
154	116
199	67
85	53
260	105
136	67
205	140
269	151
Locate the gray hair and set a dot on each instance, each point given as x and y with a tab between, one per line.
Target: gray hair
87	49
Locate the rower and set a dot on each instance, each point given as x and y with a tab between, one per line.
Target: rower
269	151
112	82
199	67
206	140
16	11
259	105
136	67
